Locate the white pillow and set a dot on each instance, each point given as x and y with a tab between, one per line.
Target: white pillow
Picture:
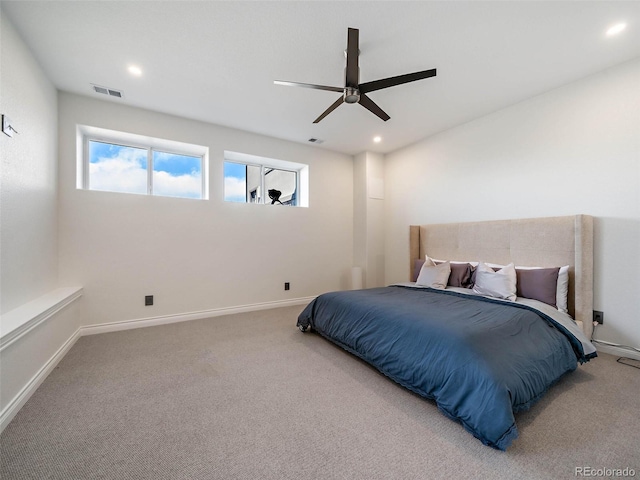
434	276
500	284
562	290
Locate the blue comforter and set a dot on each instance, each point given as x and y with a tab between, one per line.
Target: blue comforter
480	359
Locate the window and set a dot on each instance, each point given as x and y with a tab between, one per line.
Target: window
120	162
252	179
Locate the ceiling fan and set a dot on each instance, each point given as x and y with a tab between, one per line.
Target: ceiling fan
354	91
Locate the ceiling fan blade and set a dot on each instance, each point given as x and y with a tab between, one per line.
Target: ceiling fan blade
309	85
335	105
393	81
352	74
370	105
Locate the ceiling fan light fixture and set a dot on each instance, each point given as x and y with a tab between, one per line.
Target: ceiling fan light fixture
351	95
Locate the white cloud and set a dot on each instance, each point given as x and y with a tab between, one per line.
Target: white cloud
120	174
177	185
127	173
235	189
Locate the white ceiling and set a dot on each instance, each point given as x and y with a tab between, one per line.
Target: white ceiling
216	61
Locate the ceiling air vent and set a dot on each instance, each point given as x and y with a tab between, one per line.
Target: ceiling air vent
107	91
316	140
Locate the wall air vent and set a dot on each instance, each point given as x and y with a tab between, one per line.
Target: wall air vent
316	140
107	91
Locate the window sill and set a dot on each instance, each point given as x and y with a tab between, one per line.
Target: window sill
18	322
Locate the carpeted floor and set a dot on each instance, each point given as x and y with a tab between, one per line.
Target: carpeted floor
249	396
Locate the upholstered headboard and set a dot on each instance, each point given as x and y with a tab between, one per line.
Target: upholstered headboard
542	242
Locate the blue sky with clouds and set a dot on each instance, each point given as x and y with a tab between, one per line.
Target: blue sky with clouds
118	168
235	182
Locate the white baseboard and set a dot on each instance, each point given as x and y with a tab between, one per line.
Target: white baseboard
617	351
25	393
184	317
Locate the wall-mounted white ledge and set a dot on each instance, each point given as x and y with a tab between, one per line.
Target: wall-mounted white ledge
18	322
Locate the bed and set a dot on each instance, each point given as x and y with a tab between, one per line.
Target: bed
481	358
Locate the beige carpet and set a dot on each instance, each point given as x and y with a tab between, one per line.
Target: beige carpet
249	396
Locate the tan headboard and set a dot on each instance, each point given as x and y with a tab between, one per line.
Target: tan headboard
542	242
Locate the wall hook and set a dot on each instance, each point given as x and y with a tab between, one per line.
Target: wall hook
7	128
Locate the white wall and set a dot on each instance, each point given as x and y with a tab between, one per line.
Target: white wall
572	150
368	191
375	220
360	234
195	255
28	225
28	189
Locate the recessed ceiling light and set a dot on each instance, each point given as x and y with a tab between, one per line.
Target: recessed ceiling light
135	70
616	29
377	139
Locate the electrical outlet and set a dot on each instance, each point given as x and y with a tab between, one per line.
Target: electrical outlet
286	285
148	300
598	317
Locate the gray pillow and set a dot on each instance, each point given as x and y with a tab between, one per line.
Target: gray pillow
460	275
538	284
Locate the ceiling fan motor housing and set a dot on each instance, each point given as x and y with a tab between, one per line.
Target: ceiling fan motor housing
351	95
